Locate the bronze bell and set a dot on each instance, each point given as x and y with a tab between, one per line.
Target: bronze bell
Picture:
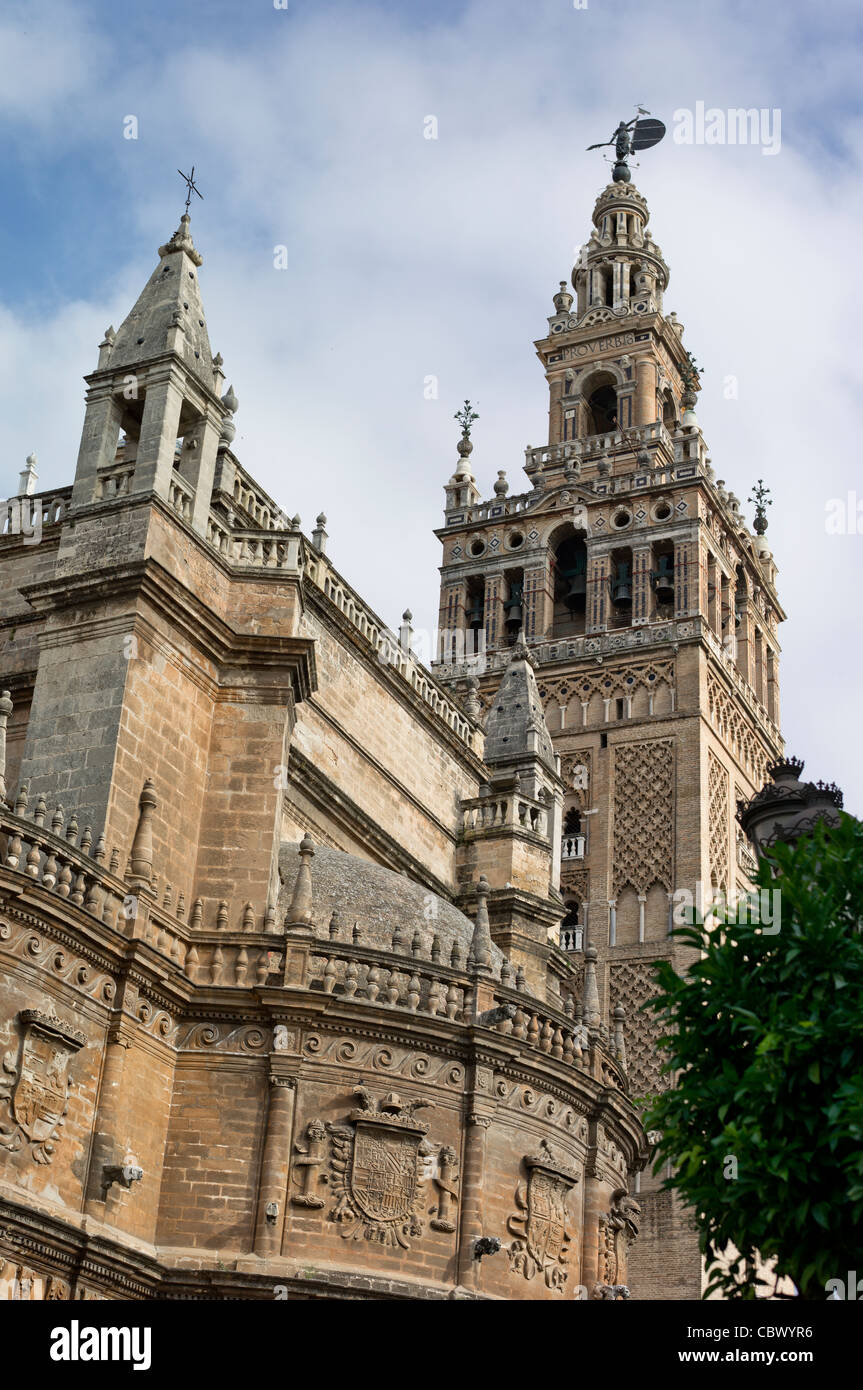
514	616
663	579
514	609
475	614
621	593
576	596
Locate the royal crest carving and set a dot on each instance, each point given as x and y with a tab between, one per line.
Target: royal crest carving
35	1086
540	1226
378	1170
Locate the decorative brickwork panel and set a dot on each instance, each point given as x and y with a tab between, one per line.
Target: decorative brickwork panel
574	881
736	730
717	821
631	983
609	682
644	815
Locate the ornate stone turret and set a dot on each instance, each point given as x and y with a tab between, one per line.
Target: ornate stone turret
461	490
620	267
513	829
157	380
516	733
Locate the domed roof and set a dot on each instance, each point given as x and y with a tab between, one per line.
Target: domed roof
378	899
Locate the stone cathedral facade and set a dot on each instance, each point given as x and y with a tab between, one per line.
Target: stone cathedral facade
320	973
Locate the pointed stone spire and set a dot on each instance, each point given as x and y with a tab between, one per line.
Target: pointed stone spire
229	429
470	703
182	241
619	1016
28	478
169	313
319	535
480	957
299	913
591	990
141	857
5	711
515	725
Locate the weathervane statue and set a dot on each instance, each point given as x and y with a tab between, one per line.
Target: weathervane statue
631	136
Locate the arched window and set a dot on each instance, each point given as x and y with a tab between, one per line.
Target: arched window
572	823
669	410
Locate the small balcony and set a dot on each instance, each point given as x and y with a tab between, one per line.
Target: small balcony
572	846
571	938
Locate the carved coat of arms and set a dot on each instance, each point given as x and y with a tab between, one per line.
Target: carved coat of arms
35	1086
379	1170
540	1226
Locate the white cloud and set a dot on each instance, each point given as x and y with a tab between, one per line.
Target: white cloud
49	54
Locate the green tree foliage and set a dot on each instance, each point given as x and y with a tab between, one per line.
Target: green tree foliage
765	1038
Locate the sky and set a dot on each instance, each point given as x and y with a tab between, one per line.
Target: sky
412	258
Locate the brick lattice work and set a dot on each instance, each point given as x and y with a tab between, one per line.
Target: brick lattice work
717	820
644	815
631	984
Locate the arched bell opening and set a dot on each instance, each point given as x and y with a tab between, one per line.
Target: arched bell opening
570	584
513	604
475	606
620	587
602	408
662	579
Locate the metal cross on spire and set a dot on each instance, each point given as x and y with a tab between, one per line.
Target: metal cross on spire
189	180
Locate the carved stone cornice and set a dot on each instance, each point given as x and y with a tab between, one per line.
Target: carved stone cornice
180	608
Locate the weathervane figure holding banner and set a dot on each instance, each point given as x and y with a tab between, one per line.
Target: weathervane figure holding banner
630	136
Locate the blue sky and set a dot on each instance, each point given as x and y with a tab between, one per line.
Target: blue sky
409	257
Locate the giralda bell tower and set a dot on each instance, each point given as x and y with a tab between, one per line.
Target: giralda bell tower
651	615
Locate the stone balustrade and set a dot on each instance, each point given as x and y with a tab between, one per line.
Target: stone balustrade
115	481
33	513
496	509
409	975
182	496
388	650
482	813
232	963
572	846
397	980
